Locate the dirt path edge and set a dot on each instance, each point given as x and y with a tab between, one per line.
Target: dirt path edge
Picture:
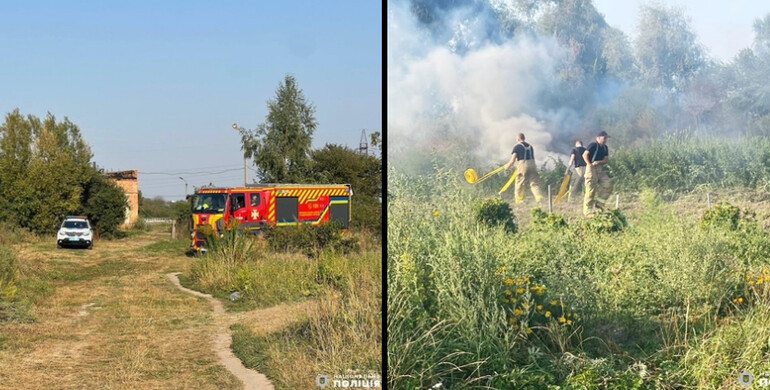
251	379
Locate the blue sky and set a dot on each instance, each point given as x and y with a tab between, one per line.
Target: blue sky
156	86
723	28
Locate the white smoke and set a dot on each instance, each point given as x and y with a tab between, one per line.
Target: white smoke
468	87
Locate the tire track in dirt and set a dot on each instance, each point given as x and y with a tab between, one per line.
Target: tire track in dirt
223	339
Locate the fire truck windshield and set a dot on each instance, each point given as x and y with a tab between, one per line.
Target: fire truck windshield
210	204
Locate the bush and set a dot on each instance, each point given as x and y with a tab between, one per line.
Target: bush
140	225
232	246
105	205
367	214
607	222
310	240
545	220
727	216
496	212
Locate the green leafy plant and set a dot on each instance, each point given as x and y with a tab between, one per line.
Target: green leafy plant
725	215
496	212
607	221
545	220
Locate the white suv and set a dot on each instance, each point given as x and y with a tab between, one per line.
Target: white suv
75	231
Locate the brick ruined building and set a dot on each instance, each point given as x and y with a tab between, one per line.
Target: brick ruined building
129	182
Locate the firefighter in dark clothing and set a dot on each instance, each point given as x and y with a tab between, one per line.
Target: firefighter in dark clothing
527	170
597	181
576	158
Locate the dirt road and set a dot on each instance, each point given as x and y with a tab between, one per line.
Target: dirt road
111	318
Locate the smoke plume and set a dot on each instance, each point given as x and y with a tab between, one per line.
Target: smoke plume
466	84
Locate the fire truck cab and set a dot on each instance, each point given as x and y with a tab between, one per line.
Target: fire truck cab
256	206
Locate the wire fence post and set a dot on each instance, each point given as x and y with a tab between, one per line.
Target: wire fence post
708	199
550	203
617	199
173	229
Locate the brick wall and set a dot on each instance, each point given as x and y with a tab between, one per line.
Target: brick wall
129	182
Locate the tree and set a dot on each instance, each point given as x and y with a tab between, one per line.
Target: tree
105	204
281	145
762	35
340	164
376	140
666	49
43	165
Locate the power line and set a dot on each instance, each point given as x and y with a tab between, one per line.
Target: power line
189	172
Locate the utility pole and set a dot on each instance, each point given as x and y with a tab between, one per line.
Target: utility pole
245	161
245	171
185	186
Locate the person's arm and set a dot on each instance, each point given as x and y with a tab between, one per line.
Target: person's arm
585	157
569	164
606	159
510	162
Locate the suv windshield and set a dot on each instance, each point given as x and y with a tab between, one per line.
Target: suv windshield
75	224
210	204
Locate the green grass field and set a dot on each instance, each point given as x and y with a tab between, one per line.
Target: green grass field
667	302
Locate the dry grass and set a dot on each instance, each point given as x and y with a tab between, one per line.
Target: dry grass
340	331
263	322
112	320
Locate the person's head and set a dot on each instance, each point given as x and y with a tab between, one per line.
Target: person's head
520	137
578	143
602	137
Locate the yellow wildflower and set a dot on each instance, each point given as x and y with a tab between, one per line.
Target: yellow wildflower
529	331
526	280
519	291
511	320
569	322
526	305
515	327
519	282
569	315
508	292
509	281
539	307
517	312
547	314
751	283
740	300
562	319
766	271
505	301
514	300
554	302
436	214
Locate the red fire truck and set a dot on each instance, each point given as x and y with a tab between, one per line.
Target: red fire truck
260	205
